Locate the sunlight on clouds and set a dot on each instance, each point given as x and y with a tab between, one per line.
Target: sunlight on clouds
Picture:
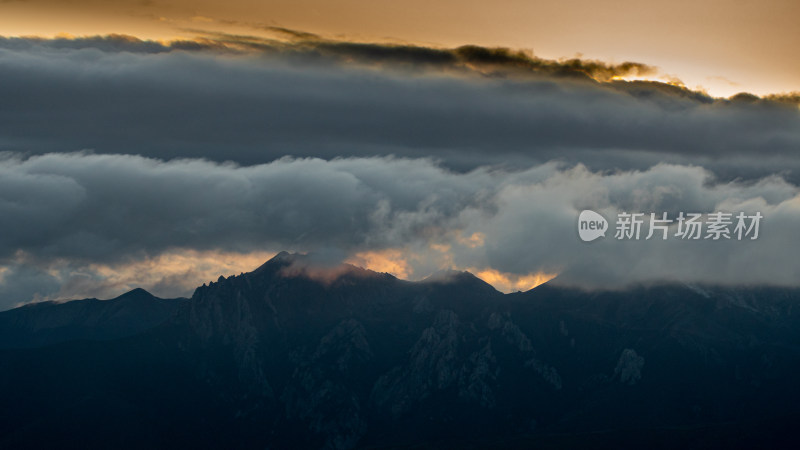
665	78
441	248
177	272
472	241
507	282
392	261
402	264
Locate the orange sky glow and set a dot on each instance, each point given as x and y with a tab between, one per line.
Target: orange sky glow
718	46
187	269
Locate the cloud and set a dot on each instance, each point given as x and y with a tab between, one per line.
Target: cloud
789	97
112	43
105	216
492	61
317	100
169	274
289	33
124	159
101	207
512	282
391	261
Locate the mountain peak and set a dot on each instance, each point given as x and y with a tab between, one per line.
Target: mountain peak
282	259
448	275
284	256
324	267
451	276
135	294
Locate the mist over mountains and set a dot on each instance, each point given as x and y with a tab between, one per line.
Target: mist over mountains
298	355
120	155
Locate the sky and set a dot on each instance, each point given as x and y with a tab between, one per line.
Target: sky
161	145
722	46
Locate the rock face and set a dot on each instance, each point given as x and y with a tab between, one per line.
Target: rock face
295	355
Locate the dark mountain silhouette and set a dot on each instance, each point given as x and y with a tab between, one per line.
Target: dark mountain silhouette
297	354
46	323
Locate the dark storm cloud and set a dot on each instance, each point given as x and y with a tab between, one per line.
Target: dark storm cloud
222	103
108	43
100	208
291	34
494	61
790	98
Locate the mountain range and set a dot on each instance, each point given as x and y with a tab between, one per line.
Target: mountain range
298	355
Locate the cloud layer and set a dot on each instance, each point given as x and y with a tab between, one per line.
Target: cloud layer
125	159
467	107
75	213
